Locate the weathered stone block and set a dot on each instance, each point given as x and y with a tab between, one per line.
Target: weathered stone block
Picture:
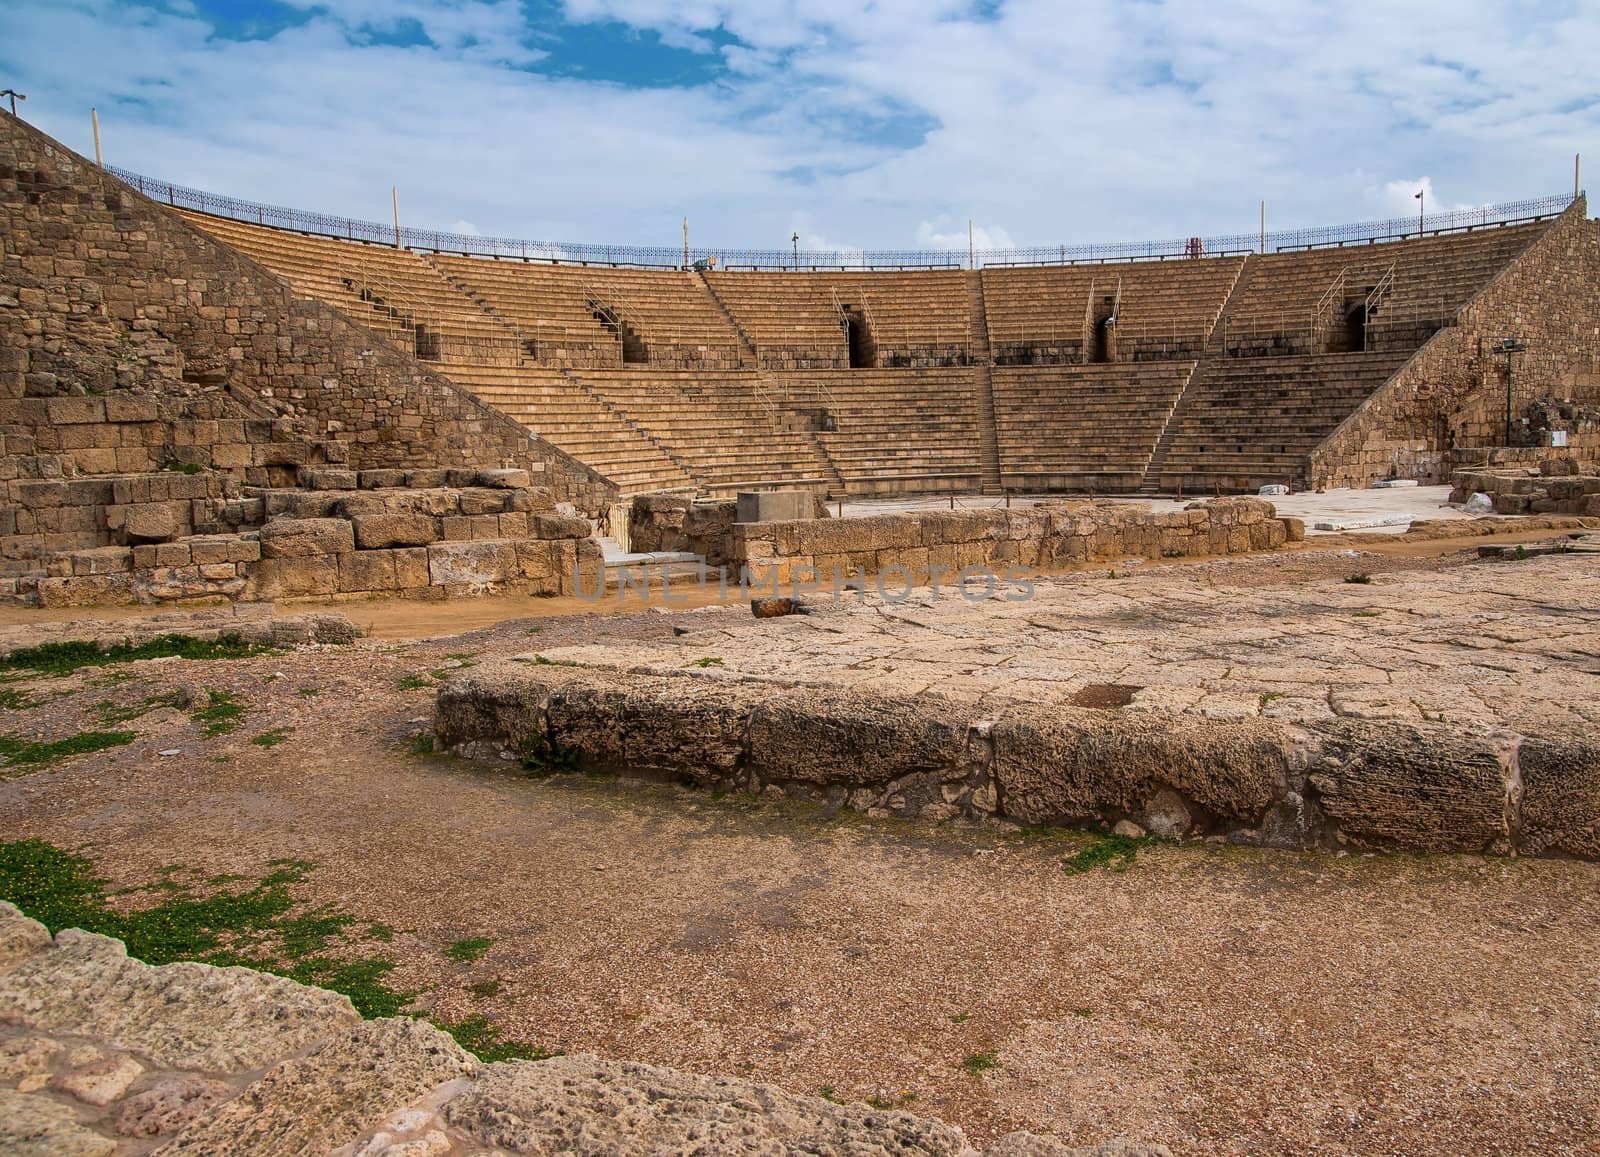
306	537
102	560
473	564
827	736
277	578
367	570
1056	764
548	525
509	479
382	531
1414	786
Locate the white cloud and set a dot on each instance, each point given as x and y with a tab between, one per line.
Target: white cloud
876	126
983	237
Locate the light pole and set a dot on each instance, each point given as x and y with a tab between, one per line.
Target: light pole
1422	206
1510	347
795	241
15	97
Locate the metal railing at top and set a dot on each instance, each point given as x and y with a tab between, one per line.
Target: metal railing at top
672	257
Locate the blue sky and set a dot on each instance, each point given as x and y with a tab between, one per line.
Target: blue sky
857	123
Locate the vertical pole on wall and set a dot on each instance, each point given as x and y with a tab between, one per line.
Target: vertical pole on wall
686	242
1577	173
1263	226
971	255
94	119
394	198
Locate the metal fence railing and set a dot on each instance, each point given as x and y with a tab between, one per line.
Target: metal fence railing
810	260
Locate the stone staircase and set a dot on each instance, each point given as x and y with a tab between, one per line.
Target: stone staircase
983	385
716	298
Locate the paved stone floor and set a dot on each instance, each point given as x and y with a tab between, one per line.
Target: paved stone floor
1513	643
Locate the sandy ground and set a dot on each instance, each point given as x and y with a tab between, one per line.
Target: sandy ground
1218	999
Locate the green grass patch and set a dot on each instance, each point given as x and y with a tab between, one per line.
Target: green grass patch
220	715
961	1018
270	738
12	699
542	758
478	1035
60	659
420	744
261	926
469	951
1114	852
32	753
309	692
411	683
485	988
979	1063
708	661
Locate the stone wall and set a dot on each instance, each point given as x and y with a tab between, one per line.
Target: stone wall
672	523
102	1054
109	303
1048	535
1379	783
491	533
1451	393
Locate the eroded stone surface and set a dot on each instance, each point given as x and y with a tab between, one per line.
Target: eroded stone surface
181	1016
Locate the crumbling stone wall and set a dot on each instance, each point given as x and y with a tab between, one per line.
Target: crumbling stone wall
108	301
1047	535
1553	486
1451	393
491	533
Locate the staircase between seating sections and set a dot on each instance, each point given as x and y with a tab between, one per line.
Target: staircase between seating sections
981	361
1150	484
711	291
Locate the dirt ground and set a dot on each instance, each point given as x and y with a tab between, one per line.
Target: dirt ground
1217	999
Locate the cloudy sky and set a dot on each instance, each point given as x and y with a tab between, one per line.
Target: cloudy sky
862	123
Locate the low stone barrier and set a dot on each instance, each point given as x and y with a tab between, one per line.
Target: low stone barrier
1047	535
1424	787
105	1054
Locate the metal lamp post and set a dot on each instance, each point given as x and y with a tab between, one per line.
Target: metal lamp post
1422	208
1510	347
795	241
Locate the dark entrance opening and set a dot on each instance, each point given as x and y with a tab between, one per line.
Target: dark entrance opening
858	334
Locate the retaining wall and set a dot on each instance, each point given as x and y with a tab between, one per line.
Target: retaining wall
1381	784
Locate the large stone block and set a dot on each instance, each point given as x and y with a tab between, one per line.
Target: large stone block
306	537
367	570
827	736
219	548
1413	786
547	525
1057	764
471	564
280	578
380	531
1560	797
